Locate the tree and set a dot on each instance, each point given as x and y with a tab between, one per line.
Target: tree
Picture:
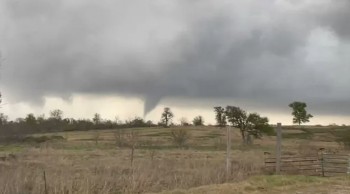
56	114
184	121
30	119
299	112
136	122
167	116
3	119
149	123
198	121
41	119
257	125
54	123
250	125
220	116
96	119
237	117
117	121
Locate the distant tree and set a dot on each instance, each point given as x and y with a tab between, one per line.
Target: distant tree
1	122
30	119
19	120
56	114
136	122
220	116
299	113
41	119
184	121
250	125
117	120
108	124
96	119
54	123
3	119
149	123
198	121
167	116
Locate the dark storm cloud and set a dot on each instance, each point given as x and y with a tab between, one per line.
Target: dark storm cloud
337	17
259	52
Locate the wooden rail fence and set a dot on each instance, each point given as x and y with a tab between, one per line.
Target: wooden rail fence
324	164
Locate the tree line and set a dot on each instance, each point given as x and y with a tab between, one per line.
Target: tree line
250	125
56	122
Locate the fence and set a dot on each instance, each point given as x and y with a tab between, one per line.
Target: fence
335	164
324	164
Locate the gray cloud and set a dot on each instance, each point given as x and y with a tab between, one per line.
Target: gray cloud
266	53
336	17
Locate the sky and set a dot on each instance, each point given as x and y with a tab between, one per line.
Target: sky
133	58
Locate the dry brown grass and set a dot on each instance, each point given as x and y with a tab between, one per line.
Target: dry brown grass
79	165
109	171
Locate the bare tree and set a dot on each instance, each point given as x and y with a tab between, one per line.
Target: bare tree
3	119
119	137
96	119
180	137
96	136
56	114
198	121
167	116
132	140
184	121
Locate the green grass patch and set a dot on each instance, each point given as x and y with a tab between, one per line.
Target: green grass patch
305	134
209	136
159	134
280	180
12	148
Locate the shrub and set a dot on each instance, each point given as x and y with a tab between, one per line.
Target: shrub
42	139
343	138
180	137
119	138
96	137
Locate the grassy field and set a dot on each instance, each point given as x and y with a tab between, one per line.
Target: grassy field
276	185
104	162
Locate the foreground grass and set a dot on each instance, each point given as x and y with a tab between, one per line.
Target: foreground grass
80	164
111	171
276	185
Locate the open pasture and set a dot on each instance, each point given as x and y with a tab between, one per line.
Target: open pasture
142	160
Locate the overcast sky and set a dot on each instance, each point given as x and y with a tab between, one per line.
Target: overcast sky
130	58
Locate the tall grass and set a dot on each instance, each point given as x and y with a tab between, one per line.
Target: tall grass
103	172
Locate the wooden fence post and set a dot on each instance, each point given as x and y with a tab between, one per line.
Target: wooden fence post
228	153
45	182
322	162
348	172
278	148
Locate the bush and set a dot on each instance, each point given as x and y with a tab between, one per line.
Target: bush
343	137
180	137
42	139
